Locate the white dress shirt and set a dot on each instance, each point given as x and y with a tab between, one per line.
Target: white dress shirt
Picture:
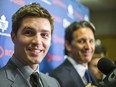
79	68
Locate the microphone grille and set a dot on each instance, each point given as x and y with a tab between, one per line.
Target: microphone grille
105	65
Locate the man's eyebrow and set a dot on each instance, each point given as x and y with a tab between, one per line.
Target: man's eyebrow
28	27
32	28
45	30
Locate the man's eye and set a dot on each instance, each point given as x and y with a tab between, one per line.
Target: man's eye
45	35
80	41
28	32
92	41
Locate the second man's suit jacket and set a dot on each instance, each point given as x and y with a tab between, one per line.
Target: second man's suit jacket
67	76
10	76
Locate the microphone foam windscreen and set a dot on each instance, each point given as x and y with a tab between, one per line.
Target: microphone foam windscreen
105	65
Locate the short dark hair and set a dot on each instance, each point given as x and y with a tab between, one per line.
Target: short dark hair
34	10
75	26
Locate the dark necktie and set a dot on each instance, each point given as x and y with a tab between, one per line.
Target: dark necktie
35	80
87	76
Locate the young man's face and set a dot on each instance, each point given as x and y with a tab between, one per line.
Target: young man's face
82	46
32	40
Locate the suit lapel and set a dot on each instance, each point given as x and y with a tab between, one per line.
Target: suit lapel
20	82
14	75
11	70
94	81
74	75
45	84
77	79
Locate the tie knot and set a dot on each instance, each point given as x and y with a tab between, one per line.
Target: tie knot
34	76
35	80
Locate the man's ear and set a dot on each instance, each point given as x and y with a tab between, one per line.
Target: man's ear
68	46
13	36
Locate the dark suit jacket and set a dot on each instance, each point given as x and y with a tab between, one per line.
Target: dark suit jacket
10	76
68	76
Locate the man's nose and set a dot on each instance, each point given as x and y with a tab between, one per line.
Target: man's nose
37	39
87	45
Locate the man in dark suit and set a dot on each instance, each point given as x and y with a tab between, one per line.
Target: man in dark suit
79	48
32	28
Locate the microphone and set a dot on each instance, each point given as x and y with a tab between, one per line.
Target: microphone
106	66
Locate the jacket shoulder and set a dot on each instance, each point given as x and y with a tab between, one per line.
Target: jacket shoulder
49	80
4	82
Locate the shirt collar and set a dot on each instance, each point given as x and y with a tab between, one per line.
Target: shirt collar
26	71
79	68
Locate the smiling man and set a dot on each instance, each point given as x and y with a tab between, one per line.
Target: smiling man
32	28
79	48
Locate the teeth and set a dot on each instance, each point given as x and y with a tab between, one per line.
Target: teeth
35	50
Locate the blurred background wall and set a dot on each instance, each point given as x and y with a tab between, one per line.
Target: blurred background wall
101	12
64	12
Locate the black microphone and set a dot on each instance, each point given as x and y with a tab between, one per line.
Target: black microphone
106	66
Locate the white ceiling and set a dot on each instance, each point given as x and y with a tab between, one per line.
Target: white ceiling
99	5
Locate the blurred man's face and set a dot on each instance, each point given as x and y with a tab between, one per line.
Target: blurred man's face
95	70
82	46
32	40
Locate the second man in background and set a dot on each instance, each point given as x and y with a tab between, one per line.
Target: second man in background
79	48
